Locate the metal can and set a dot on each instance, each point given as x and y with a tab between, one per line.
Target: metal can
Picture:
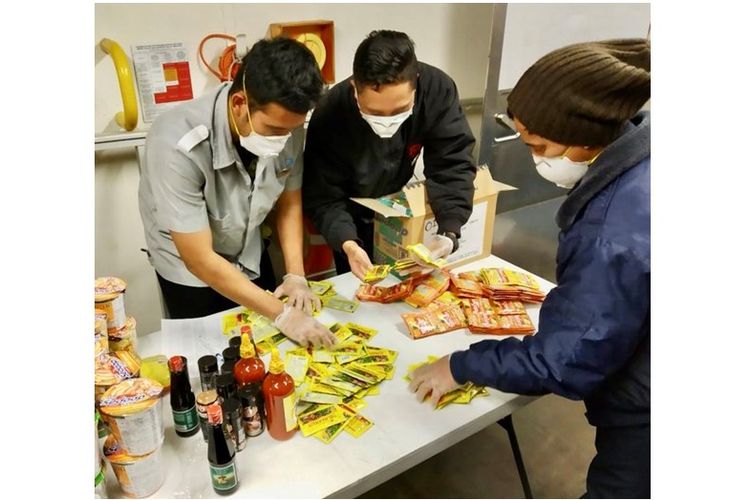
139	476
133	411
202	400
126	338
233	421
108	296
252	411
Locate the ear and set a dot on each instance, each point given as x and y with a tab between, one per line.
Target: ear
237	99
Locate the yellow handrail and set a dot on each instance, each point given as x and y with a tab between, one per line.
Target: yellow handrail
128	118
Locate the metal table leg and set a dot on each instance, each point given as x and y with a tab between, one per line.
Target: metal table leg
507	424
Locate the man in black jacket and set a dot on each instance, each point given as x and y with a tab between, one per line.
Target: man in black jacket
364	139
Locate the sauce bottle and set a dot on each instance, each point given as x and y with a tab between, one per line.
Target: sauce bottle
250	369
181	398
230	356
224	477
279	400
208	368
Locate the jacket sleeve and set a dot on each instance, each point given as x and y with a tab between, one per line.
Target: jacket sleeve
448	164
324	191
589	327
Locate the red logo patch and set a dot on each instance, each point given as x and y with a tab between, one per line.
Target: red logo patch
414	150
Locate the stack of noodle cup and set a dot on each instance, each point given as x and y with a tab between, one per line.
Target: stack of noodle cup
133	411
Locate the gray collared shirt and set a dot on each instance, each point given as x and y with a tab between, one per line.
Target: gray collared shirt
193	178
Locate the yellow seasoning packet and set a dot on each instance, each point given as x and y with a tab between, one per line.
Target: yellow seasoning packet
296	366
361	332
376	274
358	425
314	421
329	433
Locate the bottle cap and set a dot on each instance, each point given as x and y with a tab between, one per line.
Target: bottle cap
235	341
277	364
215	414
205	398
175	364
247	349
207	364
231	354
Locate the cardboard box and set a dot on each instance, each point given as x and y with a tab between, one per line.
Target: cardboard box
395	228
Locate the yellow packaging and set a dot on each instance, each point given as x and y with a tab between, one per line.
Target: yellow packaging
358	425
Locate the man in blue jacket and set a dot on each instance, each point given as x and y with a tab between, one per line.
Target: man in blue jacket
578	110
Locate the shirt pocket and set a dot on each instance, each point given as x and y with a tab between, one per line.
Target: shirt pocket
227	235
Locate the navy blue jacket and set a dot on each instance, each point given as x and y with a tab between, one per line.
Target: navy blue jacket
594	332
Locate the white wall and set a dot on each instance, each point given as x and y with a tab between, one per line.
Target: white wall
454	37
533	30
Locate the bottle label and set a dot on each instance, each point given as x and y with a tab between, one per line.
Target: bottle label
185	421
290	417
225	477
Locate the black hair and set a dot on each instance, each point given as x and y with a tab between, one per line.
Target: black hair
385	57
280	70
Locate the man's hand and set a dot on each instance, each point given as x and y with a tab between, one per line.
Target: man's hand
300	296
359	261
303	329
435	379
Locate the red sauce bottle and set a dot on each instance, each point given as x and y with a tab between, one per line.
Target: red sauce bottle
250	368
279	400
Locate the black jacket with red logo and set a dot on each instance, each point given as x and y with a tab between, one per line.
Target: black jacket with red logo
344	158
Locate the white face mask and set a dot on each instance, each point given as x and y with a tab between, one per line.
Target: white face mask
386	126
262	146
561	170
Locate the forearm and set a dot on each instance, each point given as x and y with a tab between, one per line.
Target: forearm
289	229
232	283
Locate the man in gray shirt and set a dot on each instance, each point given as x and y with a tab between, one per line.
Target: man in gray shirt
214	169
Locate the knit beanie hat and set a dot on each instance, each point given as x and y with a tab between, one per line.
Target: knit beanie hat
583	94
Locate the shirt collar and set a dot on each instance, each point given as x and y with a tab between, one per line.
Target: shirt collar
224	152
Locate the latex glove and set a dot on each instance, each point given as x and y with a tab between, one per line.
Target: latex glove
440	246
300	296
359	261
435	379
303	329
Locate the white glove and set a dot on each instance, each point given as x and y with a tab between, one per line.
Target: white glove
440	246
303	329
299	293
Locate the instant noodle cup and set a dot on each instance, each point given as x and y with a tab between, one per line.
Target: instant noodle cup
109	297
101	341
139	476
111	369
126	338
133	411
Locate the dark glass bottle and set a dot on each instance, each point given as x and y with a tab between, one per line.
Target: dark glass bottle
224	477
181	398
208	368
226	386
